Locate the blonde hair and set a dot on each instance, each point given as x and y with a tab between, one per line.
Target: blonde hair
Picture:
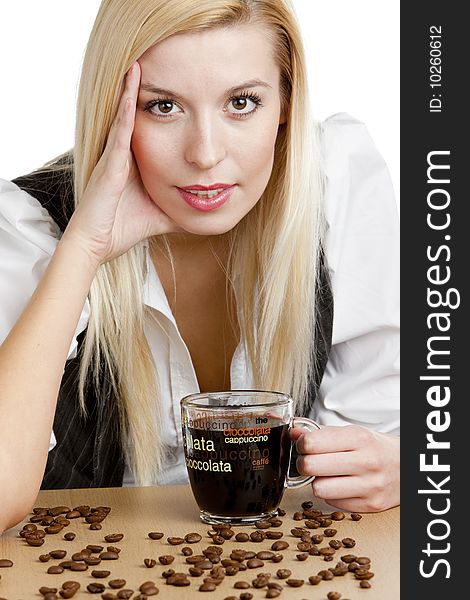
273	251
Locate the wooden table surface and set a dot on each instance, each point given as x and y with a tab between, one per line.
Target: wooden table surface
172	510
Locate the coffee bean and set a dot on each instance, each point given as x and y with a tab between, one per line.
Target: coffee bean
44	557
218	539
150	562
363	560
73	514
330	532
175	541
68	593
48	596
277	558
338	516
302	556
298	516
363	574
336	544
227	534
77	556
241	585
109	555
272	593
315	579
326	575
113	538
265	555
304	546
324	522
155	535
365	584
254	563
78	566
328	558
92	561
206	565
95	588
312	524
95	526
55	570
295	582
117	583
242	537
281	512
207	587
94	548
58	510
231	598
297	532
220	526
113	549
108	596
166	559
232	570
99	574
70	536
66	564
32	541
356	516
274	535
279	545
212	550
192	560
55	528
214	580
178	580
275	522
262	524
47	590
348	542
246	596
317	538
124	594
353	566
333	596
348	558
260	582
195	571
192	538
283	573
257	536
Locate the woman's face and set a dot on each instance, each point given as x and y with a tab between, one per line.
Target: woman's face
207	116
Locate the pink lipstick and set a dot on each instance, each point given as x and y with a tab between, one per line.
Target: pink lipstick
206	197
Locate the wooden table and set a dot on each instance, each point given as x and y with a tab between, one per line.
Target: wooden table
172	510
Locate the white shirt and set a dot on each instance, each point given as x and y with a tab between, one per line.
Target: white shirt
361	380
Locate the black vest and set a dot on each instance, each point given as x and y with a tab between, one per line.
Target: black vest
88	451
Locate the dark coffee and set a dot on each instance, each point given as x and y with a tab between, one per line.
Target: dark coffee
238	472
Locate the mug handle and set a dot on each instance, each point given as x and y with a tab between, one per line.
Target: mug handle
301	480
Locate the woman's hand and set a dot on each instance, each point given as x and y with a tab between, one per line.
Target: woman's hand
115	212
355	469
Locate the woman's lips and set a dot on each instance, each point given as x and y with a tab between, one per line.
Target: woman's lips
206	204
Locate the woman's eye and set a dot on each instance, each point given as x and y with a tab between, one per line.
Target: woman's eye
242	105
162	108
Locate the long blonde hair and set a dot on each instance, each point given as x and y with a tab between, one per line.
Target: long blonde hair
273	250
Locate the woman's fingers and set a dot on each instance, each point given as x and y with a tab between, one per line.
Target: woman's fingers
117	151
333	463
333	439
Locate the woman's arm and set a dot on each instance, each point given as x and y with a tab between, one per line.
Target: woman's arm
114	214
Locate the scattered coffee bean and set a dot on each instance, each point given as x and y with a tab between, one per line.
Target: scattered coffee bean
207	587
274	535
348	558
192	538
356	516
304	546
77	556
166	559
44	557
47	590
262	524
330	532
338	516
95	549
113	549
317	538
265	555
277	558
324	522
100	574
363	574
295	582
279	545
73	514
78	566
232	570
195	571
312	524
302	556
109	555
336	544
246	596
283	573
275	522
218	539
273	593
242	537
55	570
241	585
113	538
297	532
150	562
364	583
363	560
254	563
186	551
348	542
155	535
281	512
108	596
95	588
117	583
92	561
70	536
257	536
175	541
124	594
315	579
298	516
333	596
95	526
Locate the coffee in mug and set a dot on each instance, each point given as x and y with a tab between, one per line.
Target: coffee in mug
237	449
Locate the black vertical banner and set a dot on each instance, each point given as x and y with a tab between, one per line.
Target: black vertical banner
435	161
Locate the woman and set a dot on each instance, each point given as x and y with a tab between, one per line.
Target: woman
194	261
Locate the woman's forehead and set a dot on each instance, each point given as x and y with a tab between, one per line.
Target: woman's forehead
216	56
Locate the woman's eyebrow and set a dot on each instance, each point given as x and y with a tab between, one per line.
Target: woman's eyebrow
149	87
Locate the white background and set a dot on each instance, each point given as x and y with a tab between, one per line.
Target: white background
352	52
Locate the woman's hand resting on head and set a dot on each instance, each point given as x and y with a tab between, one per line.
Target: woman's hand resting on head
355	469
115	212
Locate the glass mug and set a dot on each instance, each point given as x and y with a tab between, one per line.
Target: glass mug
237	450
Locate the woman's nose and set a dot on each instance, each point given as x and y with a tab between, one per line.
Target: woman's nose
205	146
